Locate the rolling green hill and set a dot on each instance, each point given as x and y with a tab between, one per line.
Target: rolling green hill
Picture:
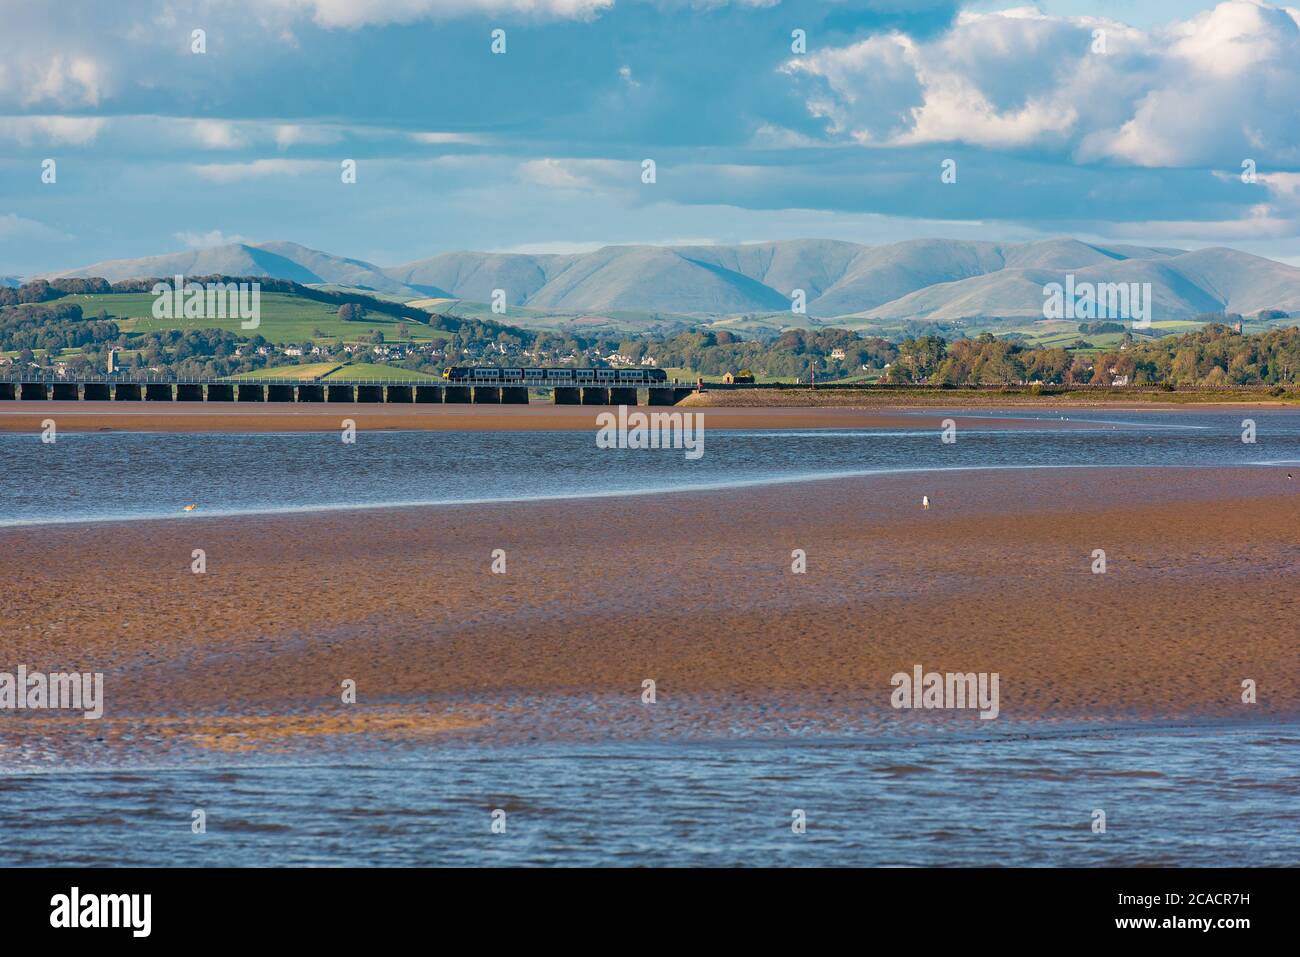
307	373
285	318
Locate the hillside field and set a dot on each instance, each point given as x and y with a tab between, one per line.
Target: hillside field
325	371
286	318
308	372
373	370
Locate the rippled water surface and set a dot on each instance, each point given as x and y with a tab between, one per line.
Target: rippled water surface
1199	795
92	476
1188	796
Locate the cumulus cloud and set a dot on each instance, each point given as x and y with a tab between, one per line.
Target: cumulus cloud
1219	85
1225	88
1055	132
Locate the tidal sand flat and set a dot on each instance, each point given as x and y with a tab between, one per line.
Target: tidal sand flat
234	417
696	592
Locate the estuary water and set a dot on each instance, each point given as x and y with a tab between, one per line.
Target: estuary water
1189	794
113	476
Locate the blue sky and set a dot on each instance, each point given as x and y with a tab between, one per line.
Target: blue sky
541	148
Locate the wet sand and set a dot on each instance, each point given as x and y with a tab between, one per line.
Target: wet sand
693	590
18	416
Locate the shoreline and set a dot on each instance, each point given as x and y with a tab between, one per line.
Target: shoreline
1049	399
601	594
738	485
109	417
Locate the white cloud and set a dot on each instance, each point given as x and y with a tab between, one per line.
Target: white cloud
955	109
871	87
1228	81
1188	94
215	134
305	134
62	79
1282	184
1232	38
439	139
213	237
238	172
556	173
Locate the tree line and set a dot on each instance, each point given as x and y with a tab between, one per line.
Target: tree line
1214	355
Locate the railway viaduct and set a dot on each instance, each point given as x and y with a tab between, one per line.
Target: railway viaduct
114	389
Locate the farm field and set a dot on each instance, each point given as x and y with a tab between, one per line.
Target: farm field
307	373
610	322
324	371
373	370
689	376
285	318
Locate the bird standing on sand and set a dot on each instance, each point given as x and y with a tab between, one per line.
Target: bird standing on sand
925	502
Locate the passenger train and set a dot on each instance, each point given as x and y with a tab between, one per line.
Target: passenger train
540	376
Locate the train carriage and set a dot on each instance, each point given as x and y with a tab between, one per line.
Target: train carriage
540	376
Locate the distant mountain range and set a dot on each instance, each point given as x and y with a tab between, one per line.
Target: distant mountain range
926	280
